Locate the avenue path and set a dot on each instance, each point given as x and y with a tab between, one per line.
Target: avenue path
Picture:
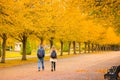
81	67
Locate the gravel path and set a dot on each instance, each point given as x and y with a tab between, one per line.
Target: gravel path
81	67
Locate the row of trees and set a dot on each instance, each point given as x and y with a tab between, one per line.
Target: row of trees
61	20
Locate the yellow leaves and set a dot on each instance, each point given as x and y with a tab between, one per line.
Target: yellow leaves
67	17
111	36
118	12
6	20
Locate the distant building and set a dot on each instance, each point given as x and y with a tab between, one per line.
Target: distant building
18	46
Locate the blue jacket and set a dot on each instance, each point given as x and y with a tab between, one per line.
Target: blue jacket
41	50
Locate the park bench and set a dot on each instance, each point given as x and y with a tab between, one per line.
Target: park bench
113	73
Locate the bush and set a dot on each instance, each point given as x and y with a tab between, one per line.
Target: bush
28	48
65	47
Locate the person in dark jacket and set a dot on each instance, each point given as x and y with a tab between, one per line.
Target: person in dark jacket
53	58
40	55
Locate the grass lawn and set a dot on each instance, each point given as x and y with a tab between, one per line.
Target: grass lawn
17	62
16	54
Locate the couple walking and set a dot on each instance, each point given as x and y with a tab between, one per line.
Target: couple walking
53	58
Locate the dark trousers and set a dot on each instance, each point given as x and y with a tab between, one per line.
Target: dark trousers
53	65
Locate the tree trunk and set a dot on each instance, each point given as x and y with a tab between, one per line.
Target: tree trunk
88	46
92	47
102	48
79	47
98	47
0	48
51	42
24	48
85	47
74	47
41	40
106	47
69	47
3	48
61	52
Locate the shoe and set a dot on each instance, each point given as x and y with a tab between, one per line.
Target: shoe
52	70
38	70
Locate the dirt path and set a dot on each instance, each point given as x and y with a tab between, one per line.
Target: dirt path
81	67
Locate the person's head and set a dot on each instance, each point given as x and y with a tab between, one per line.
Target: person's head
41	46
53	47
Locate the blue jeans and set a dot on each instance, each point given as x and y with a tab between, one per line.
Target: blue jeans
41	61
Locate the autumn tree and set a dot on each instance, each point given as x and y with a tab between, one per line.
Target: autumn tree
23	11
108	10
42	19
6	24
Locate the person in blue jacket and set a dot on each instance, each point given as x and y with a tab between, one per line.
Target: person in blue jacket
40	55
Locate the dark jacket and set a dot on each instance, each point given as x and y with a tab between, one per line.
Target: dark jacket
42	52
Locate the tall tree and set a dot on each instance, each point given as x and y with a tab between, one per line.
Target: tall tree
23	11
6	24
